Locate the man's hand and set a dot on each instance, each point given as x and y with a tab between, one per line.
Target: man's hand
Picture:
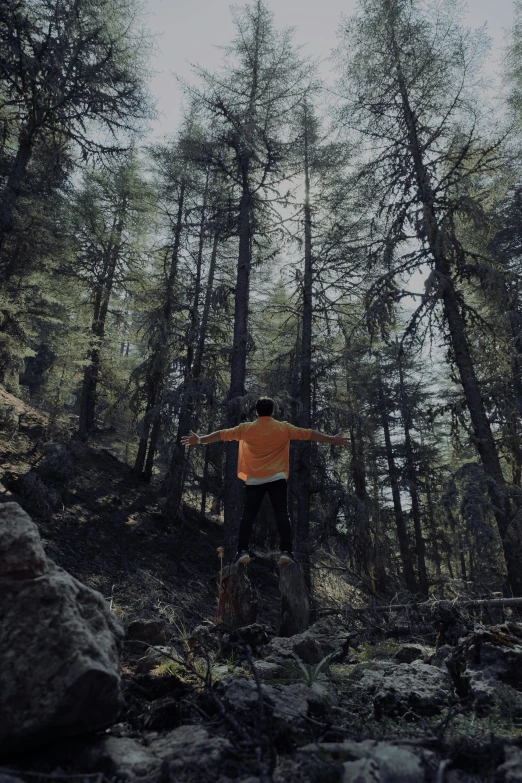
340	440
190	440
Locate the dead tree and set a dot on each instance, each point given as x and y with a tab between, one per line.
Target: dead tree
237	605
295	604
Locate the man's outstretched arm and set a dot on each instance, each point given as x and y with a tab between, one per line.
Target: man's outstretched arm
335	440
195	440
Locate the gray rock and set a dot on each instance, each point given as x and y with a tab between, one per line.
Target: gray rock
290	703
440	656
401	688
146	631
330	638
511	770
59	644
119	757
486	659
186	748
370	674
204	635
240	693
4	778
304	645
397	765
361	771
22	555
155	656
407	653
255	635
370	761
189	748
270	671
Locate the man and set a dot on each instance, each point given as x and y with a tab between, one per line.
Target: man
263	464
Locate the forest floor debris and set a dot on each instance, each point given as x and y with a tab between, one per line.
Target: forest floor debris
206	703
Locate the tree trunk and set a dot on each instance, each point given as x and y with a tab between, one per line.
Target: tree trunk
295	606
361	535
87	414
237	606
198	358
152	394
204	484
305	390
402	535
431	232
233	492
159	357
188	413
411	473
433	529
457	543
238	366
180	455
153	445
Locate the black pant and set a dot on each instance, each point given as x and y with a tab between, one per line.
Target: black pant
254	495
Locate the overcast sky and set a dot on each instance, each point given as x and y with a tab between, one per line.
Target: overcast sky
190	30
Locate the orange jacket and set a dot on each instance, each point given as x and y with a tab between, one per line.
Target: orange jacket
264	446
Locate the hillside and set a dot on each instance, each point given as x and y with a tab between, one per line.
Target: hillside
380	707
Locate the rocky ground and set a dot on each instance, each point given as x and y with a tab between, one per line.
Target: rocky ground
112	667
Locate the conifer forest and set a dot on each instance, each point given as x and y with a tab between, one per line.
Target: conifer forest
351	249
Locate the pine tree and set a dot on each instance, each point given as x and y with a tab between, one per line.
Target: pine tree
251	100
72	70
409	73
110	224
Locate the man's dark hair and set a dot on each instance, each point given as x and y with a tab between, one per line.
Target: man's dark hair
265	406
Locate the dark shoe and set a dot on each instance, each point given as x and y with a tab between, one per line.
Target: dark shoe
286	557
243	557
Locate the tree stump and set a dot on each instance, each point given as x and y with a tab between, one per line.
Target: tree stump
295	604
237	605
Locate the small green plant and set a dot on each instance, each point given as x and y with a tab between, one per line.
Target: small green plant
309	673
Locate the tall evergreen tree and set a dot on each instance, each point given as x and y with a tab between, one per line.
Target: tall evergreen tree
407	78
72	70
251	100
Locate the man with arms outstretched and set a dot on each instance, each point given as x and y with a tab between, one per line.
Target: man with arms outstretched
263	464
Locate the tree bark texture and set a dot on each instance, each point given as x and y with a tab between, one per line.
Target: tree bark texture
159	357
187	413
233	493
402	535
411	474
237	606
303	460
105	285
295	606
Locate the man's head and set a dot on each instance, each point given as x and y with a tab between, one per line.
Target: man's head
265	406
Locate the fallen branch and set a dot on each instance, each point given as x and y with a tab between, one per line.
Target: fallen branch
490	603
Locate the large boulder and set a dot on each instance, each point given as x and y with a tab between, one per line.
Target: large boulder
150	632
186	749
407	653
414	689
486	659
304	645
289	704
59	644
511	770
367	762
